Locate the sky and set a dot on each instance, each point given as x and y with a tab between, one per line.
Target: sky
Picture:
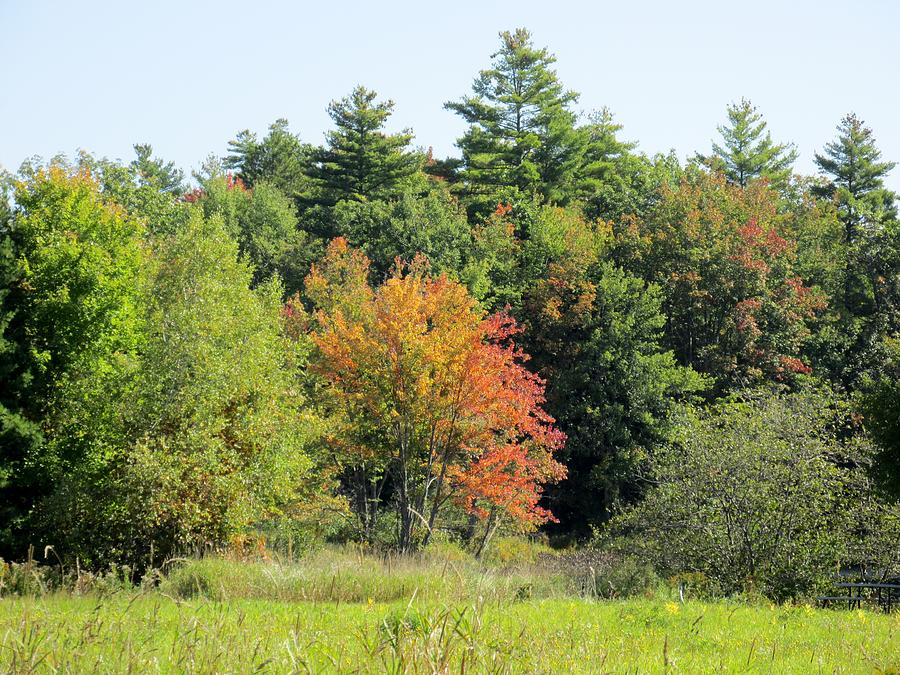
186	75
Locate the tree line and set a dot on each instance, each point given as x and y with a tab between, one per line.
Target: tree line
361	340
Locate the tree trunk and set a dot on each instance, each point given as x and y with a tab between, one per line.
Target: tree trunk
489	529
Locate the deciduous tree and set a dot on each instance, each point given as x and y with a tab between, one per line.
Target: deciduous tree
432	224
264	223
70	313
595	334
759	494
437	400
735	307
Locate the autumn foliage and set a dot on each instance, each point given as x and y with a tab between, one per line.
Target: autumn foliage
437	400
736	306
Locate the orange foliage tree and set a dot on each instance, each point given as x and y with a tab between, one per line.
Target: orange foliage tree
435	399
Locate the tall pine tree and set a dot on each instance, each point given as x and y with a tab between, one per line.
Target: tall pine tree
856	177
361	162
748	151
866	292
522	129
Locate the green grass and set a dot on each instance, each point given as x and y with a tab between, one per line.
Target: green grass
154	633
344	578
336	610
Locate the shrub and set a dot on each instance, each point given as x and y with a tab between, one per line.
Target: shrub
695	585
189	581
756	494
22	578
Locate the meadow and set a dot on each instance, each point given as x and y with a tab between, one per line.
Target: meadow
341	612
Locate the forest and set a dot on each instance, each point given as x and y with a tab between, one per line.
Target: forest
692	367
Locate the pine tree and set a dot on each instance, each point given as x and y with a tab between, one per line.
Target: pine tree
361	162
280	158
522	131
866	292
155	172
612	179
749	151
856	177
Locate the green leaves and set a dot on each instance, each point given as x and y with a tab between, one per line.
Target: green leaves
219	436
431	224
72	322
153	403
595	333
280	158
264	222
757	494
852	163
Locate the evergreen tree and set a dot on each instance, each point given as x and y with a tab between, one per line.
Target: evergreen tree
749	151
163	176
361	162
863	254
280	158
856	177
613	181
522	130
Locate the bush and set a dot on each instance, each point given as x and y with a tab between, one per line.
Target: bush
757	494
443	548
190	581
695	585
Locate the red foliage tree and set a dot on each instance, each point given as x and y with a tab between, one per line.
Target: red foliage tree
434	397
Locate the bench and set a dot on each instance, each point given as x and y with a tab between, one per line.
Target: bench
851	600
886	594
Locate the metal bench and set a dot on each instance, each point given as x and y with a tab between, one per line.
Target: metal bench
886	594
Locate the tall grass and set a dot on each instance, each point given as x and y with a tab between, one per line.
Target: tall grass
341	610
150	633
339	576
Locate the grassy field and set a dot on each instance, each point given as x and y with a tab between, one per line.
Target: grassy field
344	613
153	633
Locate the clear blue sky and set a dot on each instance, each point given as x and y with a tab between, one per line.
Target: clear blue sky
186	76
